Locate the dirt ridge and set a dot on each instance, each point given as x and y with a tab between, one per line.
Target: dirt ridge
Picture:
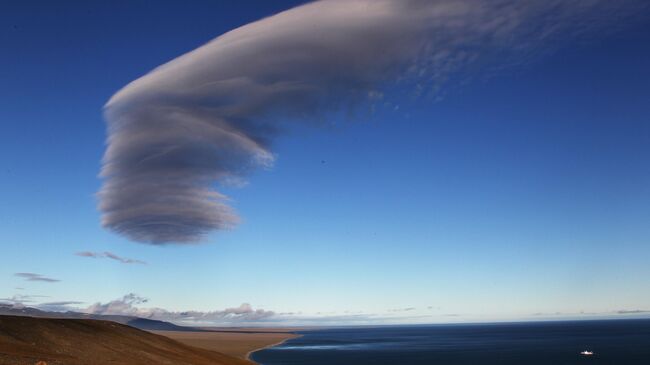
28	340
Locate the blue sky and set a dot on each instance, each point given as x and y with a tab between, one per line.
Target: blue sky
521	192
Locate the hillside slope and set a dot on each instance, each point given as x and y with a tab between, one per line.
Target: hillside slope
141	323
26	340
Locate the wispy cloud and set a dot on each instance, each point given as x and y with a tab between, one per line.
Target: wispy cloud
408	309
35	277
633	311
61	303
109	255
61	306
210	115
609	313
347	319
21	300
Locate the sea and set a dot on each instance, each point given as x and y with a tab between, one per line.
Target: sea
615	342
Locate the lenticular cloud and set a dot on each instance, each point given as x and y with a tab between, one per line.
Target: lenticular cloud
208	117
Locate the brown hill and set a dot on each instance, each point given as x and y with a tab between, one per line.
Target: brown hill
27	340
141	323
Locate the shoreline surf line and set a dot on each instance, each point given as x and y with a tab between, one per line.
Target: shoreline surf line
249	353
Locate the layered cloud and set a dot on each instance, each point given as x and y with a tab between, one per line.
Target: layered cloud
109	255
209	116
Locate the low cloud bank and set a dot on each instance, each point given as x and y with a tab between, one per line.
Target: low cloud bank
135	305
246	315
130	305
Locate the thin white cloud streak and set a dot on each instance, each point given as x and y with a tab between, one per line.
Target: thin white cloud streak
109	255
210	115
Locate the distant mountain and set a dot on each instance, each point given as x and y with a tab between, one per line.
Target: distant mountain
155	325
26	340
8	310
137	322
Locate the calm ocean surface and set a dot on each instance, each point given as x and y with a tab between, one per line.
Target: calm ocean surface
616	342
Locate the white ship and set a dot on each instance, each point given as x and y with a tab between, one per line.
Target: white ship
586	353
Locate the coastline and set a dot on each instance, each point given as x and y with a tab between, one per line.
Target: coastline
239	342
293	335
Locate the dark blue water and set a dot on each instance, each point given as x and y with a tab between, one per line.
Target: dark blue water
615	342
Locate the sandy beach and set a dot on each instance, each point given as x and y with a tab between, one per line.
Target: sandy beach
240	342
